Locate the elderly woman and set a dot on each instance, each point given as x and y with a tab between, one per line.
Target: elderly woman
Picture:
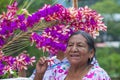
80	53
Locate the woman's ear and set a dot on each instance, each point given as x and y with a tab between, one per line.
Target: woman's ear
92	52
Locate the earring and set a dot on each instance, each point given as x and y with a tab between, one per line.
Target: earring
90	59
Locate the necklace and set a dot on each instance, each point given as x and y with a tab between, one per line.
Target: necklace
79	76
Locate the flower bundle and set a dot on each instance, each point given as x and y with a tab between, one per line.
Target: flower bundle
10	65
52	39
11	21
83	18
8	23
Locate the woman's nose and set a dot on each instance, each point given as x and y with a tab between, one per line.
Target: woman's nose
74	48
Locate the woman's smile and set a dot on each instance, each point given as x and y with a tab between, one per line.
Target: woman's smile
75	56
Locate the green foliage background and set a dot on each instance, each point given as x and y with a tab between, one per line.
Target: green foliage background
109	59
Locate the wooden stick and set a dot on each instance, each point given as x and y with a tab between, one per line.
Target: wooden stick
75	3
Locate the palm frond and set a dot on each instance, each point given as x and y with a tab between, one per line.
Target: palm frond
22	39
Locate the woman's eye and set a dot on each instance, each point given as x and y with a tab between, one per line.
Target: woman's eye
80	45
69	45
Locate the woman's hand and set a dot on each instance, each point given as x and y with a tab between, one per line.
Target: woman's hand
41	65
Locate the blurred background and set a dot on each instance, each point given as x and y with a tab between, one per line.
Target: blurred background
108	43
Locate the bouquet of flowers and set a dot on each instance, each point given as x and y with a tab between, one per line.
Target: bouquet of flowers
54	38
9	65
12	30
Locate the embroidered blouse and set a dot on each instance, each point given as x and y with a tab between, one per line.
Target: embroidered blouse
59	69
95	73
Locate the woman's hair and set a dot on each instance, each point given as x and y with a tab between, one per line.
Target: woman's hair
90	41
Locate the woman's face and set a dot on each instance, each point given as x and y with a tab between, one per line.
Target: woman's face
77	50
